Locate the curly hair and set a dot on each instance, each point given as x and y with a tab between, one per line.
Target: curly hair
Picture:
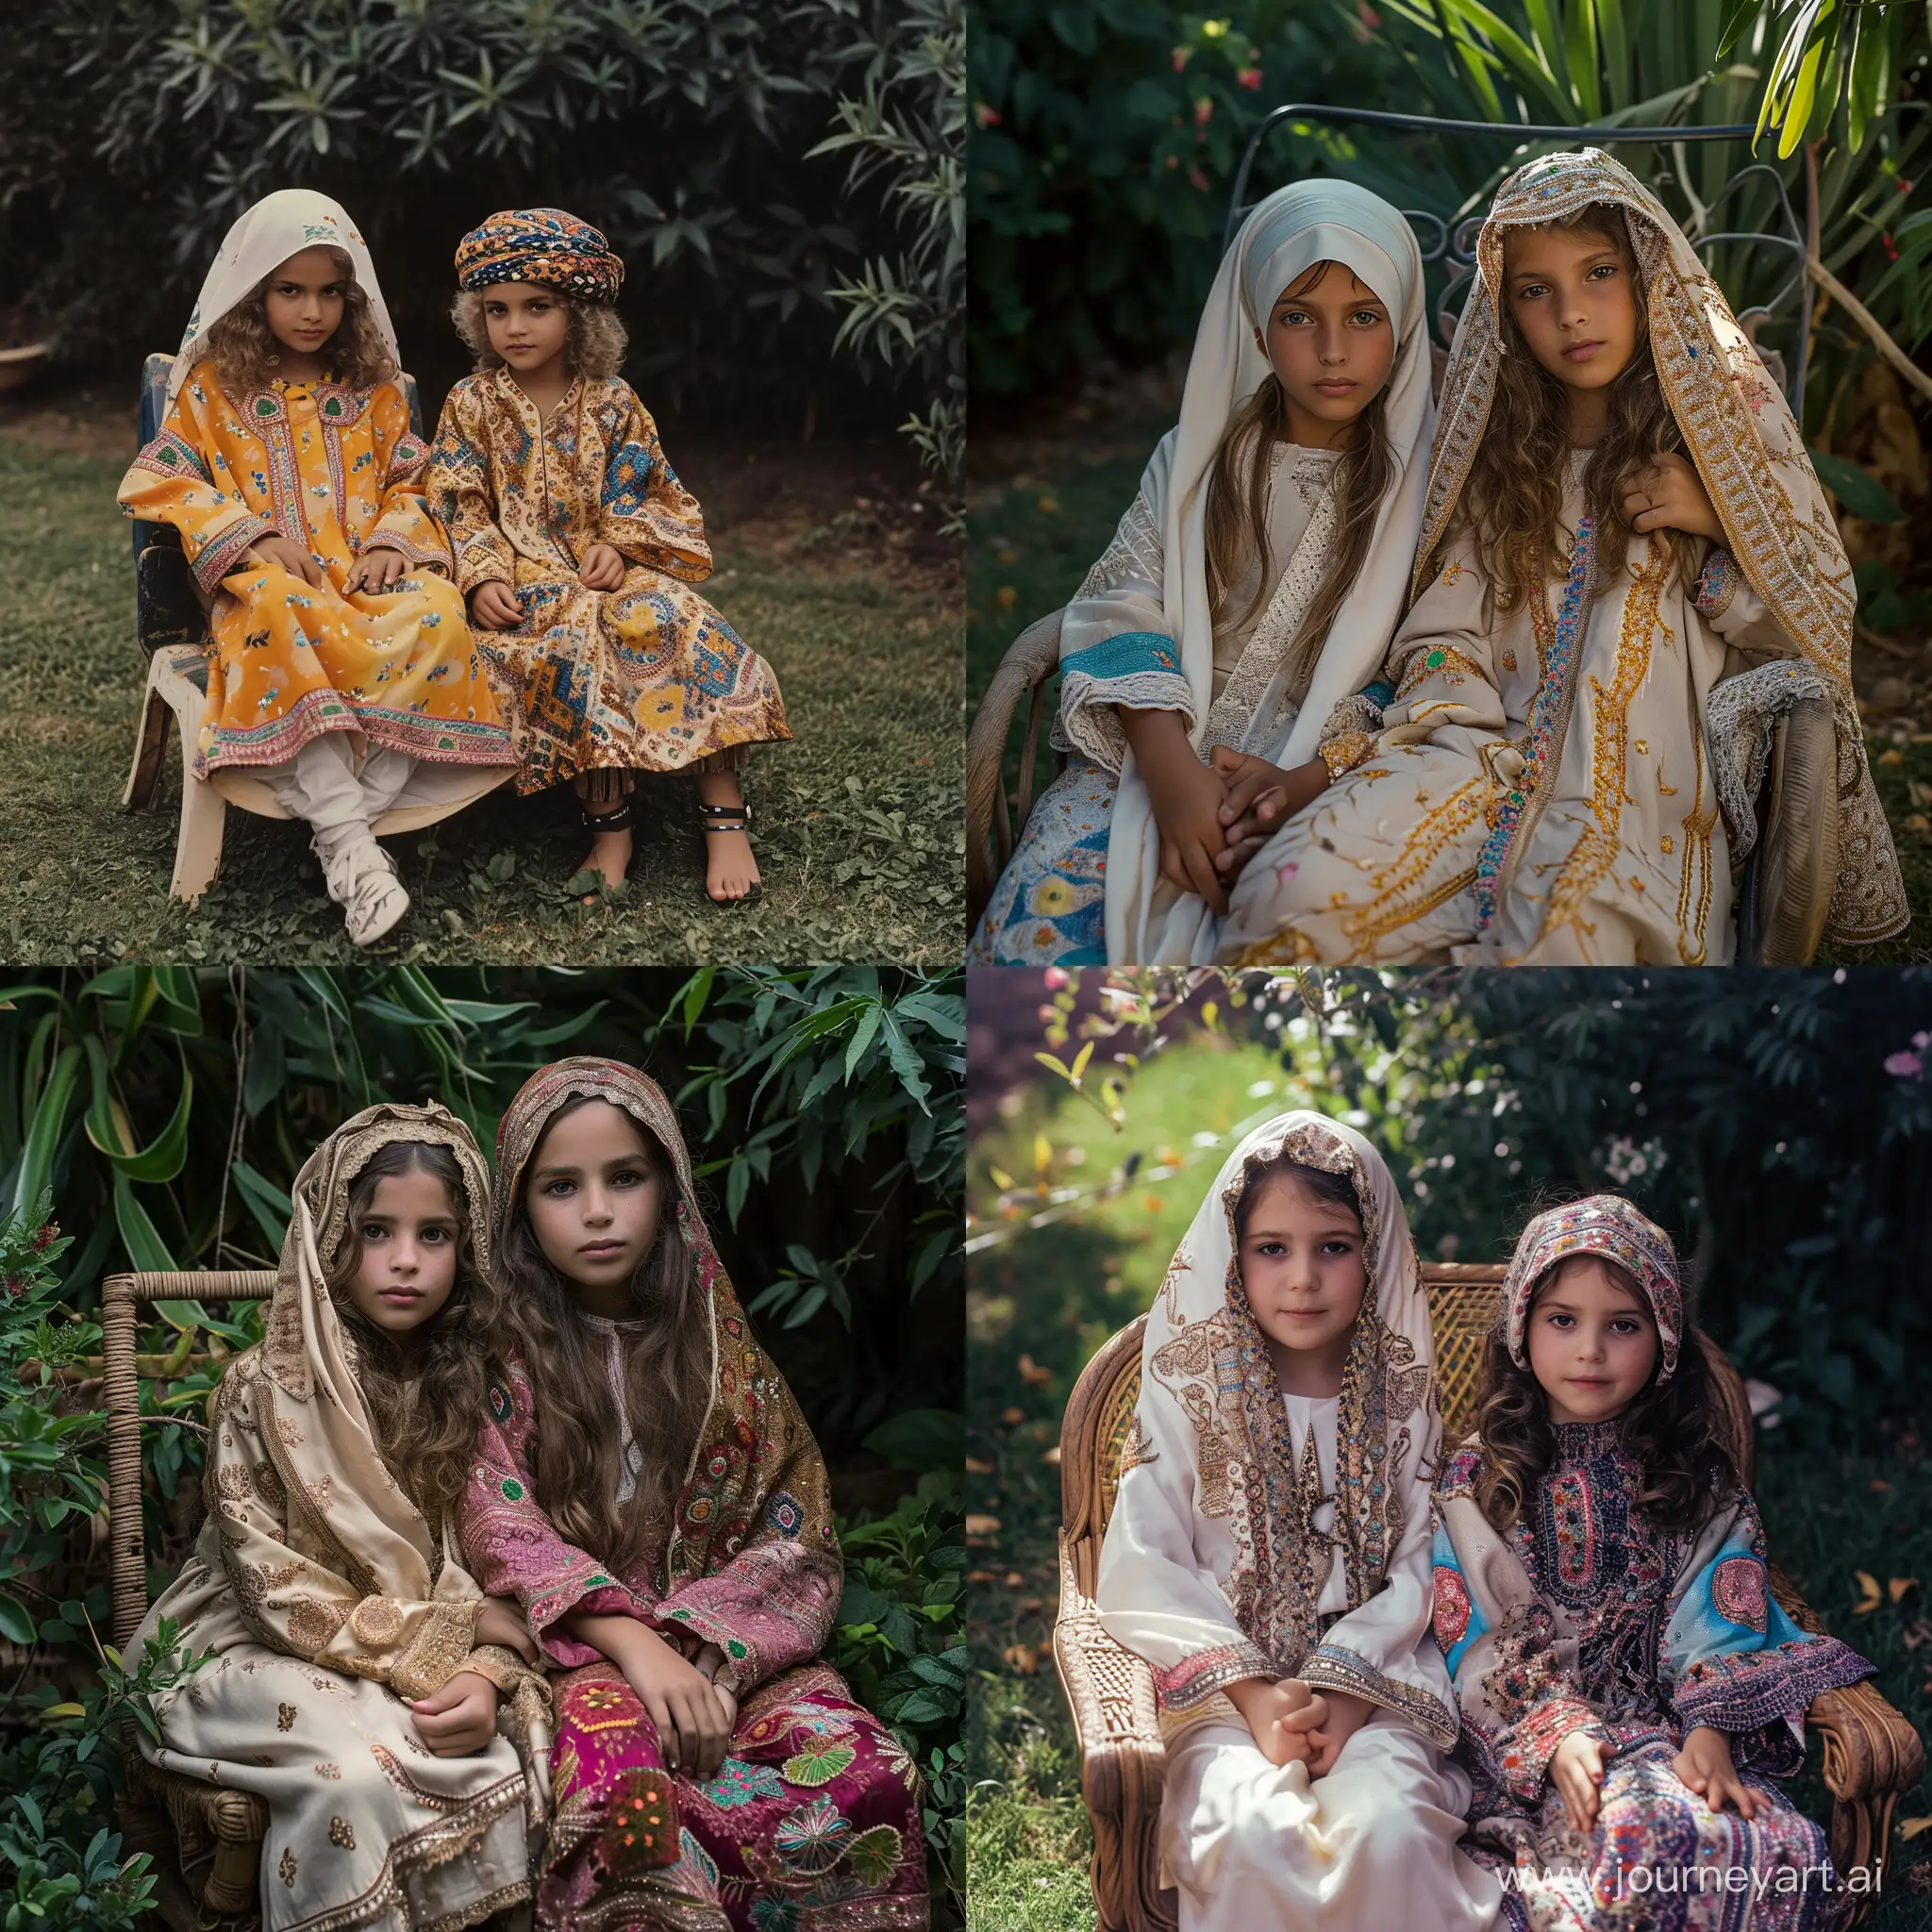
1512	502
247	356
593	341
575	1466
424	1391
1236	518
1670	1430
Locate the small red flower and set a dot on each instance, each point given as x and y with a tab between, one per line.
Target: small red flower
1890	246
1180	58
1204	111
1199	179
987	116
1249	78
1905	187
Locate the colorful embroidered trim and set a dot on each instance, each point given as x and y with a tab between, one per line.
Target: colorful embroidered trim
1547	711
1738	1690
1335	1667
1128	654
1717	583
1196	1678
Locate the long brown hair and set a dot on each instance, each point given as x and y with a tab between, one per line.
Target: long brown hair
247	356
1512	502
1238	491
1670	1431
574	1464
424	1390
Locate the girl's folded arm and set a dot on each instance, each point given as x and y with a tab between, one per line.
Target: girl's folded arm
772	1604
179	478
403	521
1728	604
298	1605
513	1549
643	512
458	494
1442	662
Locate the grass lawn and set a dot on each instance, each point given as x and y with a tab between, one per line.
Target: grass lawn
1035	535
1042	1302
857	824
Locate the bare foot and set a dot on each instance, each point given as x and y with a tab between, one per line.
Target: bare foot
731	872
609	857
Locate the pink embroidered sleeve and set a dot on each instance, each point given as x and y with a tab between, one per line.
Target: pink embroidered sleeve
512	1547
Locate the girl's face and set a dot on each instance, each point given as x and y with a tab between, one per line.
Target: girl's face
305	301
1331	345
526	324
593	1197
406	1266
1570	293
1305	1271
1592	1340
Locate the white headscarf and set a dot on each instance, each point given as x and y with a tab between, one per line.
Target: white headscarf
1209	1570
1284	237
278	226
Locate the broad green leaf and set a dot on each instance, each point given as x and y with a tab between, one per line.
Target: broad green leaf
145	1248
43	1134
1859	492
271	1209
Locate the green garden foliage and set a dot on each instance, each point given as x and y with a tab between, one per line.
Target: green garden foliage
685	130
156	1117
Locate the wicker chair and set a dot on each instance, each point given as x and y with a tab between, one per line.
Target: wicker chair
1871	1754
205	1842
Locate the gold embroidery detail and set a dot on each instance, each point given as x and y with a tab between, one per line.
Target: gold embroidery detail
286	1715
286	1868
376	1621
340	1832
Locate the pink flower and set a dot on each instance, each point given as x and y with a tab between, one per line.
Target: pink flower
1199	179
1921	1040
1204	111
1890	246
1180	58
1055	977
1370	18
987	116
51	1233
1903	1066
1249	78
1285	872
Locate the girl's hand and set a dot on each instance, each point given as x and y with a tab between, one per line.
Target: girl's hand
291	556
458	1719
603	568
1669	496
682	1701
376	569
1705	1765
495	605
1347	1714
1279	1716
1576	1769
1186	799
502	1621
1261	798
708	1662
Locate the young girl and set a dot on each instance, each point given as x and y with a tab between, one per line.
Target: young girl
1629	1686
1250	590
646	1485
361	1684
1268	1555
340	665
577	548
1621	514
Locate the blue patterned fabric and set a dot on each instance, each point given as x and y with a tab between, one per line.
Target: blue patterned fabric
1050	906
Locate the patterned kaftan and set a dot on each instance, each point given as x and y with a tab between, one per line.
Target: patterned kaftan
337	472
1588	1618
813	1819
1545	789
647	676
1116	651
304	1702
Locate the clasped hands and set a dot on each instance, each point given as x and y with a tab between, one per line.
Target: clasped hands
1214	818
493	603
462	1717
1576	1769
1292	1723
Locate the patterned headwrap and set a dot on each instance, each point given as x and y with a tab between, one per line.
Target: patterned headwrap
1609	1226
756	1486
541	244
1749	453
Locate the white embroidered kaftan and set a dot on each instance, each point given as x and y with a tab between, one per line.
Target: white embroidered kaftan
1216	1568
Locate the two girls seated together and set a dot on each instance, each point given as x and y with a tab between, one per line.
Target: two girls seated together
1357	680
518	1556
1537	1680
396	626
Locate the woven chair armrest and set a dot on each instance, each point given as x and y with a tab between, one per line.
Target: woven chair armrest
1029	660
1870	1749
1110	1693
230	1815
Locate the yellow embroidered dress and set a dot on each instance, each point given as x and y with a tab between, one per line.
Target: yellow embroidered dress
336	470
647	676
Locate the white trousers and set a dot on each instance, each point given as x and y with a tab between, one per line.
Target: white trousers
338	794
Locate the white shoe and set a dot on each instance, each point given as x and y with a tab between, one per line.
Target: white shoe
362	880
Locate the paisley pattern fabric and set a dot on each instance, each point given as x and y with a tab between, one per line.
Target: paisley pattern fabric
337	472
545	245
1050	906
1586	1616
812	1820
1620	1231
647	676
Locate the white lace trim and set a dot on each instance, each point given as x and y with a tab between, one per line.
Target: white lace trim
1738	720
1089	719
1135	555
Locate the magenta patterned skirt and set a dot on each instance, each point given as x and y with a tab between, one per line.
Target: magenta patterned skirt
811	1825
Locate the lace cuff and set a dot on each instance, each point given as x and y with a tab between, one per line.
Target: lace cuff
1140	670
